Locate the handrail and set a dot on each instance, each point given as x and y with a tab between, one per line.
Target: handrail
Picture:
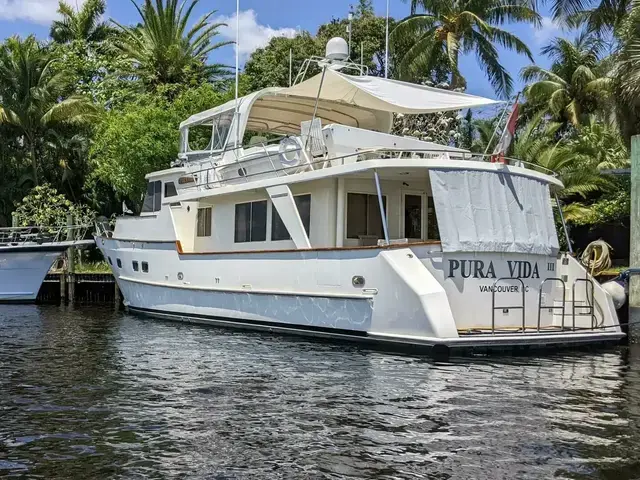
43	234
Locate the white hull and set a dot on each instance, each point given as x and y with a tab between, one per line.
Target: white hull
412	295
22	274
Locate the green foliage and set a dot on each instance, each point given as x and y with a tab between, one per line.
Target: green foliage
575	86
143	137
82	24
611	209
444	29
44	206
163	48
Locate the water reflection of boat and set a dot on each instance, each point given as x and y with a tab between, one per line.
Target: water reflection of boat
26	255
337	228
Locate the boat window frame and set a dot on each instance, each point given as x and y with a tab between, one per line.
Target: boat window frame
135	265
423	212
275	215
250	223
145	267
385	201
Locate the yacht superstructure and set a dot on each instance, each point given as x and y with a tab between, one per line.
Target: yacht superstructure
296	210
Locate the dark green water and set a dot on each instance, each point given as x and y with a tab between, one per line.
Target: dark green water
91	393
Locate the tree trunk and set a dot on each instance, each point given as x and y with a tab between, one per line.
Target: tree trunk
34	162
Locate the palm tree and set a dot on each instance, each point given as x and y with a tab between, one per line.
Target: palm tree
30	94
163	50
82	24
601	17
574	86
448	28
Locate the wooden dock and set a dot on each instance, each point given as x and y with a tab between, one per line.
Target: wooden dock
79	288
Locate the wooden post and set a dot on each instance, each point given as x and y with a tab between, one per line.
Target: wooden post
63	286
71	259
634	251
116	295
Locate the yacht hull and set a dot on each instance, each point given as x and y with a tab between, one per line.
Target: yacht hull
22	272
410	296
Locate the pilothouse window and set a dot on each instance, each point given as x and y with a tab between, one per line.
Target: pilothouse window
211	135
153	197
170	190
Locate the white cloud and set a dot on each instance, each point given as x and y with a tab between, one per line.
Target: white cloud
35	11
547	30
252	34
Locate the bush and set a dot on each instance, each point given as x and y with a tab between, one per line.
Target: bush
44	206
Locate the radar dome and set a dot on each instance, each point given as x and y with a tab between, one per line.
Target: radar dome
337	49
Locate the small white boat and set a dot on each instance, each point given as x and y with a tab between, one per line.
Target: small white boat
27	254
338	229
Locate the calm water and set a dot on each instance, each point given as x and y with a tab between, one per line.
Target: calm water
96	394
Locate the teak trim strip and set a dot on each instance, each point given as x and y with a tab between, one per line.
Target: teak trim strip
319	249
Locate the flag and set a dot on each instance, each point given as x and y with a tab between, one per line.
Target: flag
507	135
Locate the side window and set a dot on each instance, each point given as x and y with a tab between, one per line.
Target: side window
145	267
251	222
278	229
135	266
153	197
170	190
363	215
204	222
119	263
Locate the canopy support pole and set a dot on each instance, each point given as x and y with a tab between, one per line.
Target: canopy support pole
564	224
315	106
381	203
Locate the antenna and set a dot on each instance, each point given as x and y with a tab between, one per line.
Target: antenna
386	45
290	64
350	17
237	72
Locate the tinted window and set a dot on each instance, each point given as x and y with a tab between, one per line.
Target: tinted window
135	266
153	197
204	222
119	263
145	267
251	222
170	190
157	204
278	229
363	215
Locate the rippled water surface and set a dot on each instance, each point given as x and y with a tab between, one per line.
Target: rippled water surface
91	393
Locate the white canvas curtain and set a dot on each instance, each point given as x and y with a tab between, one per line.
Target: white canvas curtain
492	211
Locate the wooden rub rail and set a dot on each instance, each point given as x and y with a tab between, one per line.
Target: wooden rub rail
82	288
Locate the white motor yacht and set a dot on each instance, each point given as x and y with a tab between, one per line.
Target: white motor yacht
305	215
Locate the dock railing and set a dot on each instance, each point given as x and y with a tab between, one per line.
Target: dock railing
14	236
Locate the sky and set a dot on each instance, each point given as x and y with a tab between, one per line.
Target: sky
262	19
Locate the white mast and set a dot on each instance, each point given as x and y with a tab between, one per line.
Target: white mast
237	71
386	45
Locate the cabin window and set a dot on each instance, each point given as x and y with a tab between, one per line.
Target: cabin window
186	180
363	215
413	216
153	197
251	222
278	229
433	232
145	267
135	266
110	262
119	263
204	222
170	190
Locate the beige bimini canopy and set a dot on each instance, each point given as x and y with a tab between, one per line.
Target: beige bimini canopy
386	95
363	102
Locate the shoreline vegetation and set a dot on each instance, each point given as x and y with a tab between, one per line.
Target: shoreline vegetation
86	113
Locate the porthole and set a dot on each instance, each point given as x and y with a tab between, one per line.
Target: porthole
119	263
180	276
135	266
358	281
145	267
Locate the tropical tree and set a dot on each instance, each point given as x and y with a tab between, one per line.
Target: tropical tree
575	85
600	17
445	29
162	49
30	94
82	24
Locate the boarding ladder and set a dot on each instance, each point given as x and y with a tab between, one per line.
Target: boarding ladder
577	310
